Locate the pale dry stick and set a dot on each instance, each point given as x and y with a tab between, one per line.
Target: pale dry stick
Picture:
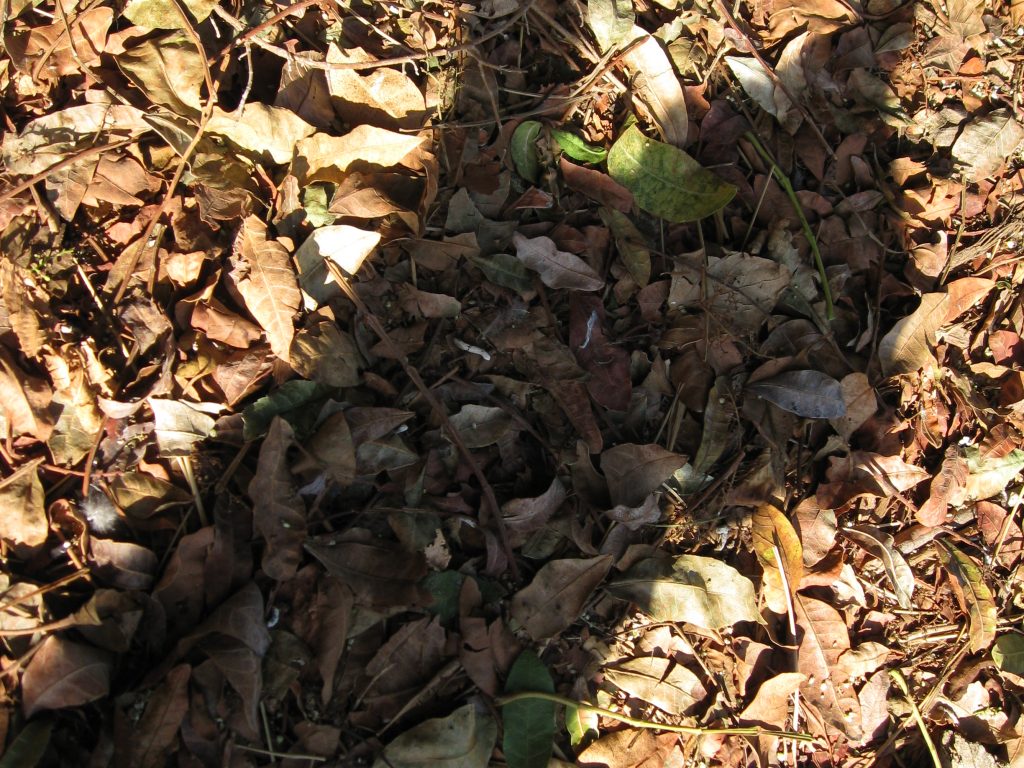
731	21
185	464
436	406
901	683
791	616
204	118
360	65
284	755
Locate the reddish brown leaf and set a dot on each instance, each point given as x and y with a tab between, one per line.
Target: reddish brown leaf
159	724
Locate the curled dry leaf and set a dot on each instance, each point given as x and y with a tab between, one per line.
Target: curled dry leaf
977	597
657	88
633	471
809	394
881	545
908	346
463	739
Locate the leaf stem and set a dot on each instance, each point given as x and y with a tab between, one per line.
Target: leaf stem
808	233
690	730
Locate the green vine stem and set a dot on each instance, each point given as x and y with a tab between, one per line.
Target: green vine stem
788	187
689	730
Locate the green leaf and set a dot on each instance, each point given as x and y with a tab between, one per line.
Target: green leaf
444	587
581	724
577	148
664	180
284	401
28	747
529	723
524	150
1008	654
505	270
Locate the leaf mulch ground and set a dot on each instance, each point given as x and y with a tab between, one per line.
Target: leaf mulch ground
607	384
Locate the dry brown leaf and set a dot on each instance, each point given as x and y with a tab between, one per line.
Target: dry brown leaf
383	96
279	514
263	274
634	471
669	686
557	594
26	400
823	638
557	269
62	674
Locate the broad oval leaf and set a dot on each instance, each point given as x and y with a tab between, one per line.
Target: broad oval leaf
1008	654
665	180
557	594
698	590
529	723
810	394
670	687
908	346
63	673
463	739
633	471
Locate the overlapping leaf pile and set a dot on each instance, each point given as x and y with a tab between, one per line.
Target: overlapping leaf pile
423	384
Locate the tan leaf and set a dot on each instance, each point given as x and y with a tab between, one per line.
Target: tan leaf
25	399
770	707
264	130
263	275
861	404
326	354
657	88
326	158
168	70
384	96
557	594
23	502
908	346
881	545
669	686
634	471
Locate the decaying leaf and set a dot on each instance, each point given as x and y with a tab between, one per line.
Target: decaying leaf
977	597
279	514
463	739
823	638
810	394
881	545
557	269
908	346
657	88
